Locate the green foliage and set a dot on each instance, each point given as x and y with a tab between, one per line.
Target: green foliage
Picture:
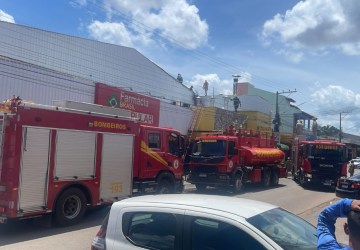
328	131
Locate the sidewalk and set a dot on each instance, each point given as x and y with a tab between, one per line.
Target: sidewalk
312	214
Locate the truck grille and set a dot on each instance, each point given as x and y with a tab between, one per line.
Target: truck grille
205	169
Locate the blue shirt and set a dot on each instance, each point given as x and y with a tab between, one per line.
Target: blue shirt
326	224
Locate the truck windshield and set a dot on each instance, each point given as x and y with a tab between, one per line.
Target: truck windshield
328	152
209	148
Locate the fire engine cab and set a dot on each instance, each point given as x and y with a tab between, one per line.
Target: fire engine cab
232	158
323	161
57	160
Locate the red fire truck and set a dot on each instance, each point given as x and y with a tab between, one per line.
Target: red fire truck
233	158
57	161
323	160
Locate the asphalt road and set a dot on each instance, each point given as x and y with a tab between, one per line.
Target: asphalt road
307	203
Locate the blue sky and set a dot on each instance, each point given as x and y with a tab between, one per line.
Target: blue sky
312	46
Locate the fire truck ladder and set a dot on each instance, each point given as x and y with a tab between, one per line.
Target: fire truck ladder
195	121
192	128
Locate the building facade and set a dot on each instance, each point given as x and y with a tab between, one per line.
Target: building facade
43	67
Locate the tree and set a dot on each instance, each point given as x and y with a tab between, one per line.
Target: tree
328	131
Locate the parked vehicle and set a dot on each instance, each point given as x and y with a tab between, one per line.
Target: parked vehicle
233	158
349	187
356	162
59	160
323	161
195	221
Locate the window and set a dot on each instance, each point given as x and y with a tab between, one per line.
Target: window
151	230
173	144
231	148
154	140
216	235
286	229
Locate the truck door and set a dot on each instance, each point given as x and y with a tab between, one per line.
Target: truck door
33	180
173	152
152	154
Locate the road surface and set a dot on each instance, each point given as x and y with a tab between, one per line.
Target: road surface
307	203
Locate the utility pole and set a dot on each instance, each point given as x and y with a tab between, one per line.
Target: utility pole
277	120
340	129
340	132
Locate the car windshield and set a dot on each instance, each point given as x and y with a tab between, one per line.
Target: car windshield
355	177
286	229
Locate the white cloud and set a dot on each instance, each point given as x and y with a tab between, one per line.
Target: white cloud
318	25
78	3
336	96
332	100
6	17
172	21
114	33
216	85
293	56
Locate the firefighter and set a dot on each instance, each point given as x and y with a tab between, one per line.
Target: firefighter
288	165
206	87
351	168
237	103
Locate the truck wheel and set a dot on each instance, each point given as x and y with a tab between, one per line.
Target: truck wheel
274	178
200	187
265	180
164	187
301	178
70	207
237	186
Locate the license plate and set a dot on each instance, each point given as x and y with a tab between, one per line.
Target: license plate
327	183
344	185
202	175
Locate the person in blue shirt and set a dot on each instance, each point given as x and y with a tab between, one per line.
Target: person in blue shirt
326	224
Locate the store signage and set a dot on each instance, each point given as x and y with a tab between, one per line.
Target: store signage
144	108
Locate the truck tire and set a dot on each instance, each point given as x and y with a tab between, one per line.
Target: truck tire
165	183
265	178
237	184
274	178
200	187
301	178
70	207
164	187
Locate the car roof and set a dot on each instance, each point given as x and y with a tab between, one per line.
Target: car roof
239	206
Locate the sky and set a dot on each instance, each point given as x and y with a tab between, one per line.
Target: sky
310	48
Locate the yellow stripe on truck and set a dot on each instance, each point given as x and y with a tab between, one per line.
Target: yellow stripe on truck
152	154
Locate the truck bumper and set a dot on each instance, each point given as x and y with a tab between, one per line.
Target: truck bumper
327	180
210	179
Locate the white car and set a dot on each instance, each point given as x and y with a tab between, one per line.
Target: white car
201	222
356	162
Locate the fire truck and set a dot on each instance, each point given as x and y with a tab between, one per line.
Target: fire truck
233	158
323	160
56	161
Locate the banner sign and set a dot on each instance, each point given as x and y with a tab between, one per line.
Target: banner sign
145	108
